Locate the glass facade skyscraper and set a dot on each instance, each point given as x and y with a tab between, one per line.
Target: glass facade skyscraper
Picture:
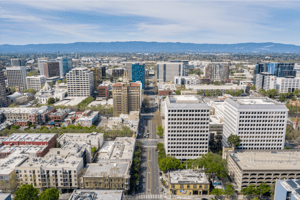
138	73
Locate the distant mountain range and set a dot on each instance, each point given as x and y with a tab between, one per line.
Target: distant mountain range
143	47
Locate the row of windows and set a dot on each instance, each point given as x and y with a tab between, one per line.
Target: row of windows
261	113
188	111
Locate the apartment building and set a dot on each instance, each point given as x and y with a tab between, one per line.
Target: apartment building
254	167
30	150
58	169
16	77
37	139
188	182
51	69
3	94
92	139
35	82
186	126
259	122
166	71
265	81
7	166
103	91
80	82
33	115
126	97
217	72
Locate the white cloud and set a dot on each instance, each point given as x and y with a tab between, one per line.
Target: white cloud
188	21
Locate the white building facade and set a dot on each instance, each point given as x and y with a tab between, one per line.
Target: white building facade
41	62
285	85
80	82
16	76
186	80
186	126
166	71
259	122
35	82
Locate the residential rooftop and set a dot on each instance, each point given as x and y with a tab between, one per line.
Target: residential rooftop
267	160
30	137
26	149
40	110
108	168
8	164
188	176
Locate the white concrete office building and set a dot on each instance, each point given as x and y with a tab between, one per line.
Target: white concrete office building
285	85
41	62
16	76
35	82
186	80
80	82
259	122
186	126
166	71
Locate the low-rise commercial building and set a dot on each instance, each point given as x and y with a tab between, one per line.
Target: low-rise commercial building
88	119
97	194
189	92
34	115
56	118
48	139
186	80
188	182
254	167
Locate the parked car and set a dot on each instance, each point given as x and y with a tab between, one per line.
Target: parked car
155	149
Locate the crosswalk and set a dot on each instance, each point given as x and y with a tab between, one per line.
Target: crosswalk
150	196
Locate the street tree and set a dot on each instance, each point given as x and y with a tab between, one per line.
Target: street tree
49	194
229	190
217	191
263	188
234	140
13	182
146	101
160	131
51	101
27	192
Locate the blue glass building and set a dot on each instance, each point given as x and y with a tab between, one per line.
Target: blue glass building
138	73
287	189
276	69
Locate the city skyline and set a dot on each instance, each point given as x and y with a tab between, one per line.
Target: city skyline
33	22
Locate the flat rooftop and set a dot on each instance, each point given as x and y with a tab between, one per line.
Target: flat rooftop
188	176
120	149
40	110
67	161
185	101
269	160
109	168
70	101
255	103
26	149
96	194
78	137
8	164
213	87
30	137
291	185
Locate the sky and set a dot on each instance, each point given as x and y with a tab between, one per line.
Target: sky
218	22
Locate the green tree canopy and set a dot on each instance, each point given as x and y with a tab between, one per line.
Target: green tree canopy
160	131
263	188
253	87
234	140
250	190
169	162
217	191
229	190
49	194
51	101
94	149
27	192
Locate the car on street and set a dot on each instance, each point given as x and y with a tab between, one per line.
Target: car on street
155	149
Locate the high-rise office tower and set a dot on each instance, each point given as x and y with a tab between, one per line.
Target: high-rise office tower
51	69
186	126
166	71
217	72
16	77
35	82
41	62
138	73
17	62
260	122
99	73
80	82
126	97
276	69
65	65
3	94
